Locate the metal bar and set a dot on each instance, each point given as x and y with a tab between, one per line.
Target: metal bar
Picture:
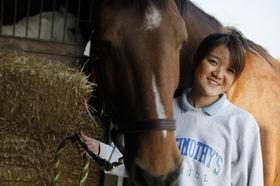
15	17
90	11
40	18
90	20
2	14
27	18
65	19
52	27
78	21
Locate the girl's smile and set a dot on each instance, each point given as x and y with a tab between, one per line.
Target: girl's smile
213	77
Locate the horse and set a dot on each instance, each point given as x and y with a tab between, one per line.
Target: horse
51	25
135	52
257	90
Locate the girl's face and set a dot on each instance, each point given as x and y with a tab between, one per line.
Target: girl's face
214	76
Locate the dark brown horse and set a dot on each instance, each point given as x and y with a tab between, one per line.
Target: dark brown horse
137	46
257	90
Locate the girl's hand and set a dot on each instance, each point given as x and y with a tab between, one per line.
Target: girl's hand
92	144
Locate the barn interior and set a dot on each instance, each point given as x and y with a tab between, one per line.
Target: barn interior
44	94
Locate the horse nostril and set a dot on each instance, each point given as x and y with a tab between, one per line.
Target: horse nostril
142	177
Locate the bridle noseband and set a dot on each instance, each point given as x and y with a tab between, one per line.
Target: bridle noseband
147	125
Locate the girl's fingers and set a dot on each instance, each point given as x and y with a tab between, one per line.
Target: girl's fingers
85	137
94	149
91	143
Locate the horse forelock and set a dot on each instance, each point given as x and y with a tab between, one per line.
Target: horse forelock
136	4
143	4
153	18
149	9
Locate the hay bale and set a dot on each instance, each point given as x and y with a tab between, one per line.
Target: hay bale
42	102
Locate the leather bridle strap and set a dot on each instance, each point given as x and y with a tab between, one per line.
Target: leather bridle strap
147	125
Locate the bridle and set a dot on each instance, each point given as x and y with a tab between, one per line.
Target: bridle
127	126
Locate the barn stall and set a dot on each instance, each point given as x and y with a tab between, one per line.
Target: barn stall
52	28
44	94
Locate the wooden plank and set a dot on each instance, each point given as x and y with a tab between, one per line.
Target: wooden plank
68	53
40	47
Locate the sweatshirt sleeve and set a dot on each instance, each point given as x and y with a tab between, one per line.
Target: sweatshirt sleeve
247	166
112	154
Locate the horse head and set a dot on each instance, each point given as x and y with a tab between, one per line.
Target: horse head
137	45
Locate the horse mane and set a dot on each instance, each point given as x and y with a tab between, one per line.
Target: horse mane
182	7
258	49
192	6
250	45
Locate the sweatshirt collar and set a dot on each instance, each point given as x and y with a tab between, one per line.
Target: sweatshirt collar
211	110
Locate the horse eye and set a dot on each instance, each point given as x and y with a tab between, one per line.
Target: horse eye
102	47
107	44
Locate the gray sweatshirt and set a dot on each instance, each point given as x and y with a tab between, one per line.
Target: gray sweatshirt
220	145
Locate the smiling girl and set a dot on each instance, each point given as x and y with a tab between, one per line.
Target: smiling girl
219	142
